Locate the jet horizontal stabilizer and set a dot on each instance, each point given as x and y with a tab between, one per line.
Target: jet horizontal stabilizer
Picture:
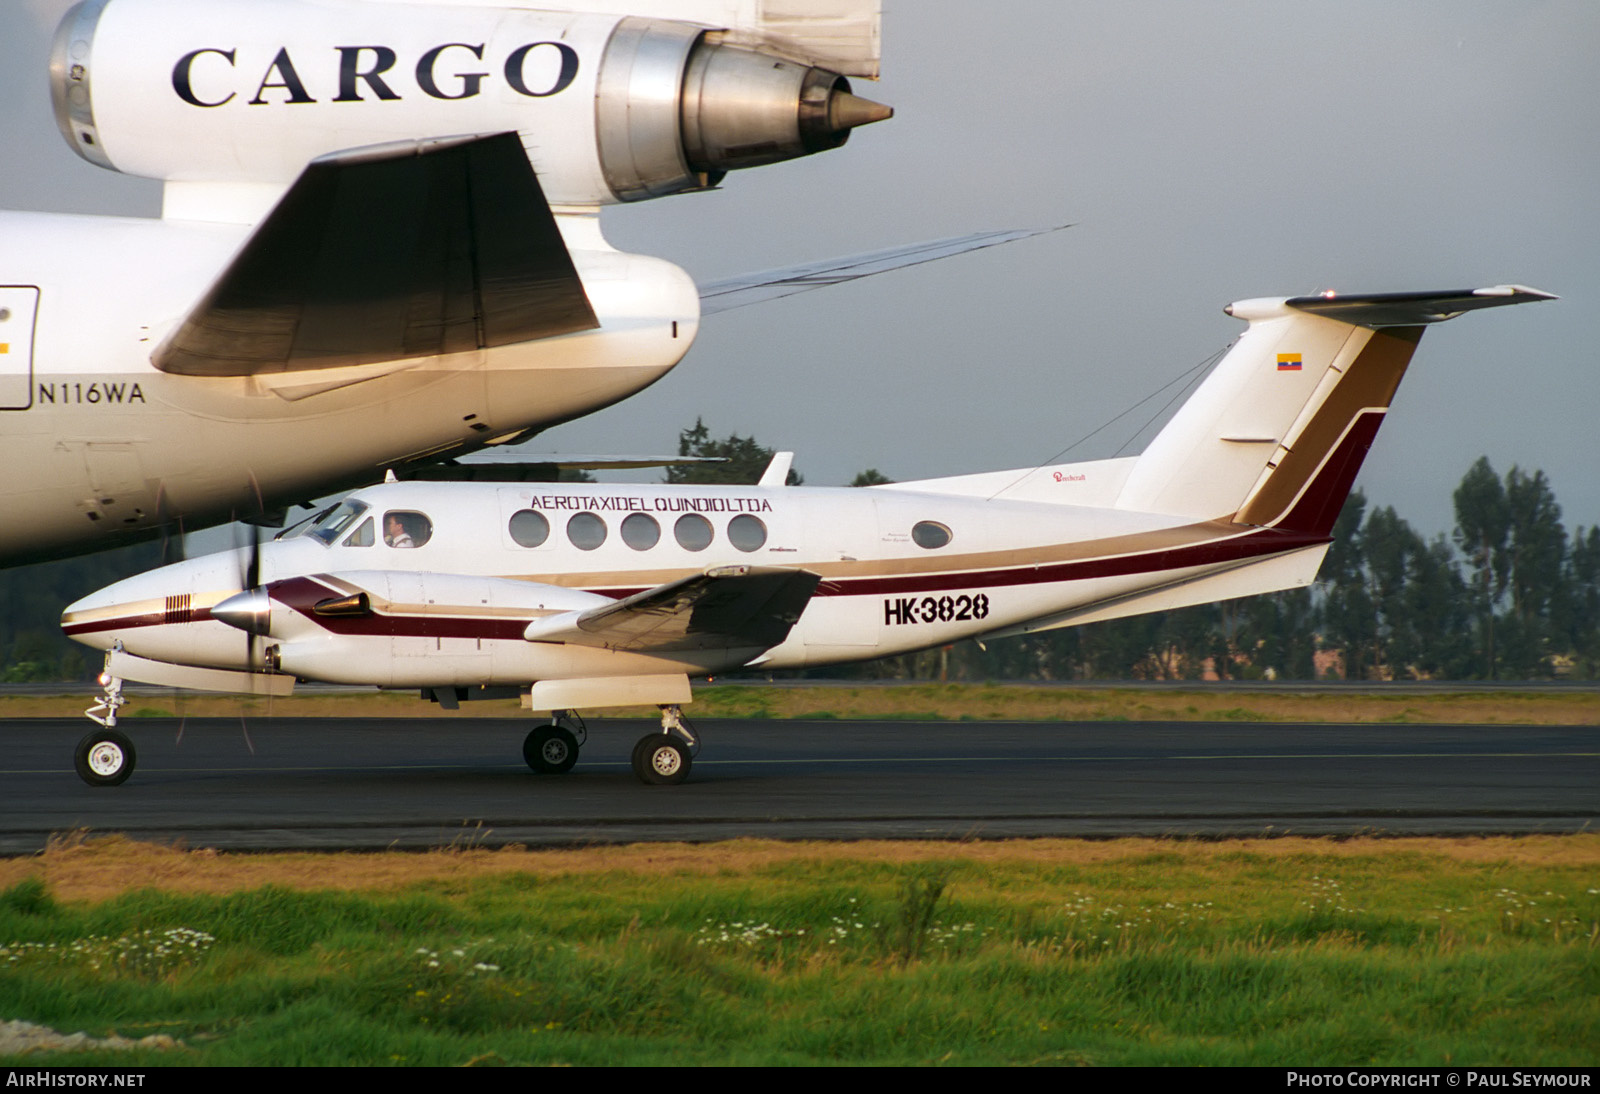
398	251
727	607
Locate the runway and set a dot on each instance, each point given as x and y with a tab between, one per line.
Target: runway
418	783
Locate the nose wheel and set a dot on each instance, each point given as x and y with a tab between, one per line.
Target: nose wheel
104	757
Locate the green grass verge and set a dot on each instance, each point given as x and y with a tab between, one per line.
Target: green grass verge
1189	955
927	701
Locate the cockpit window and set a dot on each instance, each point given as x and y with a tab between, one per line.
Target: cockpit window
406	528
362	536
336	521
303	525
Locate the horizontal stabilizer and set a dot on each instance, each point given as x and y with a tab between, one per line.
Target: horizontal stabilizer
397	251
1406	309
736	292
727	607
532	467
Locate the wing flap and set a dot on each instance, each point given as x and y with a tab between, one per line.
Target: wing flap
398	251
727	607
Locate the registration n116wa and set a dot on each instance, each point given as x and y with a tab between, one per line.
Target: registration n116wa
586	596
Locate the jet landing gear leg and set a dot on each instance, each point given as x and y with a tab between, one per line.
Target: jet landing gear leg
105	757
553	749
663	759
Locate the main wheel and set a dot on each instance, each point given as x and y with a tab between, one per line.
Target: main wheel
550	750
104	758
661	760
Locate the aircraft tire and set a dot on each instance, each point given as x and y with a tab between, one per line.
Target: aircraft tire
661	760
550	750
105	758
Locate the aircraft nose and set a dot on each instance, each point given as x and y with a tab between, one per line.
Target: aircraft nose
139	608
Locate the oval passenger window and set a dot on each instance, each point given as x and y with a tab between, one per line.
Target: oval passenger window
693	532
586	531
640	531
746	532
529	528
930	534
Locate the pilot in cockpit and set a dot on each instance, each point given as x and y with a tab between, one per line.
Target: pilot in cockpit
394	532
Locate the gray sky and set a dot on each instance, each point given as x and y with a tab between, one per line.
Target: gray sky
1207	152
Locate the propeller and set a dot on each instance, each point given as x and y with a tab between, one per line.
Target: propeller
250	609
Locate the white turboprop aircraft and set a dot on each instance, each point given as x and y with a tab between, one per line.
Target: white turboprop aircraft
584	596
380	239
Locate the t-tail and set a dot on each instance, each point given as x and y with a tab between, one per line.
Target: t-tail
1275	435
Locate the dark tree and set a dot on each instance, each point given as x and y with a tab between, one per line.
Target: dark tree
746	460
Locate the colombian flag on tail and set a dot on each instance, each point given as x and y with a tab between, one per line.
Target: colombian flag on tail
1288	362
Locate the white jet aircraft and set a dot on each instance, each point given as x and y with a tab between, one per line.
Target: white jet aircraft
584	596
380	239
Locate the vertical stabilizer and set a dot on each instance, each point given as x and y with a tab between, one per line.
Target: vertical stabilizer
1276	434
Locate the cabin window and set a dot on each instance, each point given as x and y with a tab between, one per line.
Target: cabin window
529	528
747	533
406	528
586	531
930	534
693	532
362	536
640	531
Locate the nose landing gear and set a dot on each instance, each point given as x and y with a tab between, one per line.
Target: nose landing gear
105	757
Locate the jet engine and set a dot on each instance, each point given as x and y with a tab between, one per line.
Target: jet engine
610	107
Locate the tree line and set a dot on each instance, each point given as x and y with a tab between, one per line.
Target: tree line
1509	594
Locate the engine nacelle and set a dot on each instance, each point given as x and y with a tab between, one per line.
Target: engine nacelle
610	108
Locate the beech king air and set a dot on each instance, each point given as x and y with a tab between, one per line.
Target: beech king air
590	596
380	239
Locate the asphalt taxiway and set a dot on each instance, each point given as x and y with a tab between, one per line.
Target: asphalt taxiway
412	783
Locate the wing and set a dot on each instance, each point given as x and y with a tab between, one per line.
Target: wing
736	292
727	607
386	253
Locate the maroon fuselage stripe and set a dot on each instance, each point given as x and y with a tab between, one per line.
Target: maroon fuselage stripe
302	593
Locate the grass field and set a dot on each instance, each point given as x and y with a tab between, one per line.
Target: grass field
1480	951
932	701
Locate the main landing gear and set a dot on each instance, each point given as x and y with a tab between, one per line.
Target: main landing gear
105	757
553	749
659	759
664	759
